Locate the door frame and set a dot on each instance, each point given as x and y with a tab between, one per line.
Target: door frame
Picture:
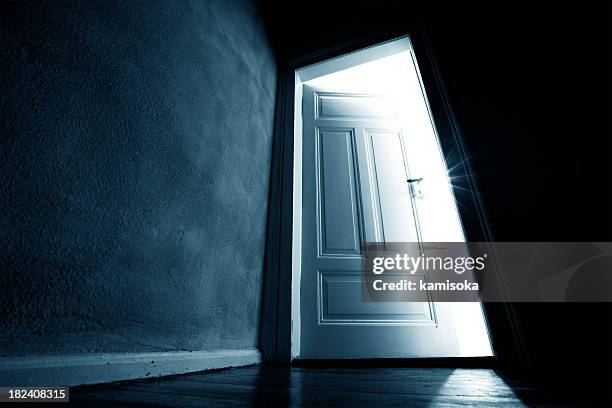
279	330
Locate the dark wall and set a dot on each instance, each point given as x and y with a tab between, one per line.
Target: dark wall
136	141
531	93
530	87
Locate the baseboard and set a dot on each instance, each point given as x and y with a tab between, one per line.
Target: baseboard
73	370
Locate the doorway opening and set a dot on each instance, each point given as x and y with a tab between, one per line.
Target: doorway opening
362	129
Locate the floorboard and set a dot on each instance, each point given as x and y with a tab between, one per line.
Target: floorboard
284	386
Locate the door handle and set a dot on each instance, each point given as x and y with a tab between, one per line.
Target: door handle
415	187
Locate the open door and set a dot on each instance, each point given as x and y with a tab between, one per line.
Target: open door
361	143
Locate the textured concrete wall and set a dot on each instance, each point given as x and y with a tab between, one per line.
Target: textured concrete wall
136	141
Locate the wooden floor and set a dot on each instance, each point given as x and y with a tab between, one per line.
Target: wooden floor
280	386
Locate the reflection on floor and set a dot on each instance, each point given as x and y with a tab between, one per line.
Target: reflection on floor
283	386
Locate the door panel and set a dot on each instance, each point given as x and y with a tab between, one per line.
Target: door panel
334	106
339	226
338	291
392	190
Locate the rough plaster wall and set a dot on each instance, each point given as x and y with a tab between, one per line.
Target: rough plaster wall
136	141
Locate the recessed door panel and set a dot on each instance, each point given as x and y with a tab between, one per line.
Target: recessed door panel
337	191
392	192
339	294
330	106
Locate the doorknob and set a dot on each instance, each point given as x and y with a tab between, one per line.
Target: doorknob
415	187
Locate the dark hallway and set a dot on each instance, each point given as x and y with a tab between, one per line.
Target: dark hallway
154	185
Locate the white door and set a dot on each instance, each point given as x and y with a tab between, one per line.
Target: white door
355	190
